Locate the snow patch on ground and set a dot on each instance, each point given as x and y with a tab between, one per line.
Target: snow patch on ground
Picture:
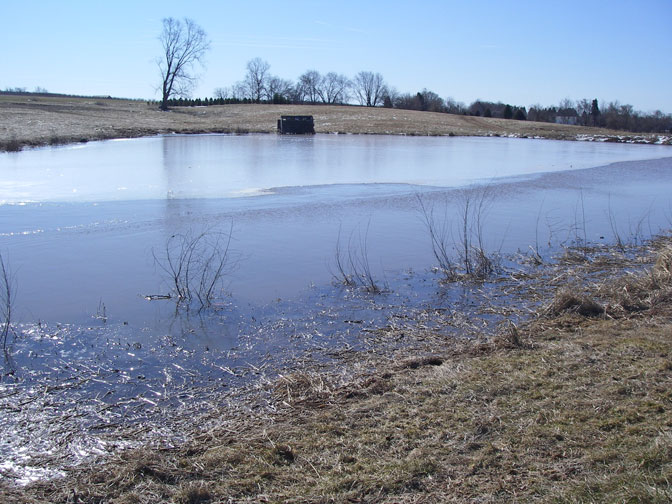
636	139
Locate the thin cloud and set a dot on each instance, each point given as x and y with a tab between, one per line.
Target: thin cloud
271	46
349	29
281	43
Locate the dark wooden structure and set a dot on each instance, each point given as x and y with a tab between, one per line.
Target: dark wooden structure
296	125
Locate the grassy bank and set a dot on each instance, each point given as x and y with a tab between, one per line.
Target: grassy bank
573	406
38	120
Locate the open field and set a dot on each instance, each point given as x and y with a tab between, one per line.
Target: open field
36	120
573	406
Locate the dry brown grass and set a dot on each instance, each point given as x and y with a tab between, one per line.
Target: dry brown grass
642	292
567	301
34	121
565	408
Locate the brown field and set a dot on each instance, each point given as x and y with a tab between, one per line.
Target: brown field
36	121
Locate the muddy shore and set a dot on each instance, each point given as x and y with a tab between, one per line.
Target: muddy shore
30	121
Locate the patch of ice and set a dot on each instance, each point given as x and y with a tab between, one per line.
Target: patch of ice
23	475
251	191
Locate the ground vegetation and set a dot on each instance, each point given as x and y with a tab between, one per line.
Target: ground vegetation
572	404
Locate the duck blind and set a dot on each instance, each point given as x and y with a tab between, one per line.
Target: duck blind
296	125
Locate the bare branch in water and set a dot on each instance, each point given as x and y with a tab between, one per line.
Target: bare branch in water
7	290
196	265
355	269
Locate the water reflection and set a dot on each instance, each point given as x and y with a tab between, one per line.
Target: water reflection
222	166
73	252
70	255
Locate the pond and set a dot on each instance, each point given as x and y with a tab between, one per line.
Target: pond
80	225
84	231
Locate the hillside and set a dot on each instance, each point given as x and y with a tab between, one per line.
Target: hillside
30	120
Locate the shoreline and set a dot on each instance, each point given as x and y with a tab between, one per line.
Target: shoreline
502	413
44	121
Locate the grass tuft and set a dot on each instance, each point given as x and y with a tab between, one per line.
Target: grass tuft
11	145
640	292
194	493
567	301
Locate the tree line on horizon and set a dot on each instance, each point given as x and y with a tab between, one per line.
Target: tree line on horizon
370	89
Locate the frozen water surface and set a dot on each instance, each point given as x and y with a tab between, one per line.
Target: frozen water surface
222	166
79	226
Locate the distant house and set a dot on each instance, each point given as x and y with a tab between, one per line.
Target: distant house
567	116
296	125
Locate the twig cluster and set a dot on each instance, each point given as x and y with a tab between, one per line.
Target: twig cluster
467	238
353	268
196	264
439	234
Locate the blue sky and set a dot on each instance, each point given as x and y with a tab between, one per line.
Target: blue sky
518	52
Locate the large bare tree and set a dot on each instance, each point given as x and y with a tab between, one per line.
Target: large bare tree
309	84
334	88
279	90
184	46
256	79
369	88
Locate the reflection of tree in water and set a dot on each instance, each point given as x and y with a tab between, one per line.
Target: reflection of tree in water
205	330
224	166
177	155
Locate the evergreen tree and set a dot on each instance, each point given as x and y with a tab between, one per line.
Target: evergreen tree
508	112
595	112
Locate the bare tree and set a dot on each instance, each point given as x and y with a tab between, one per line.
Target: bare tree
334	88
583	108
566	103
184	47
425	100
223	93
279	90
239	91
431	101
310	83
256	79
369	88
455	107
